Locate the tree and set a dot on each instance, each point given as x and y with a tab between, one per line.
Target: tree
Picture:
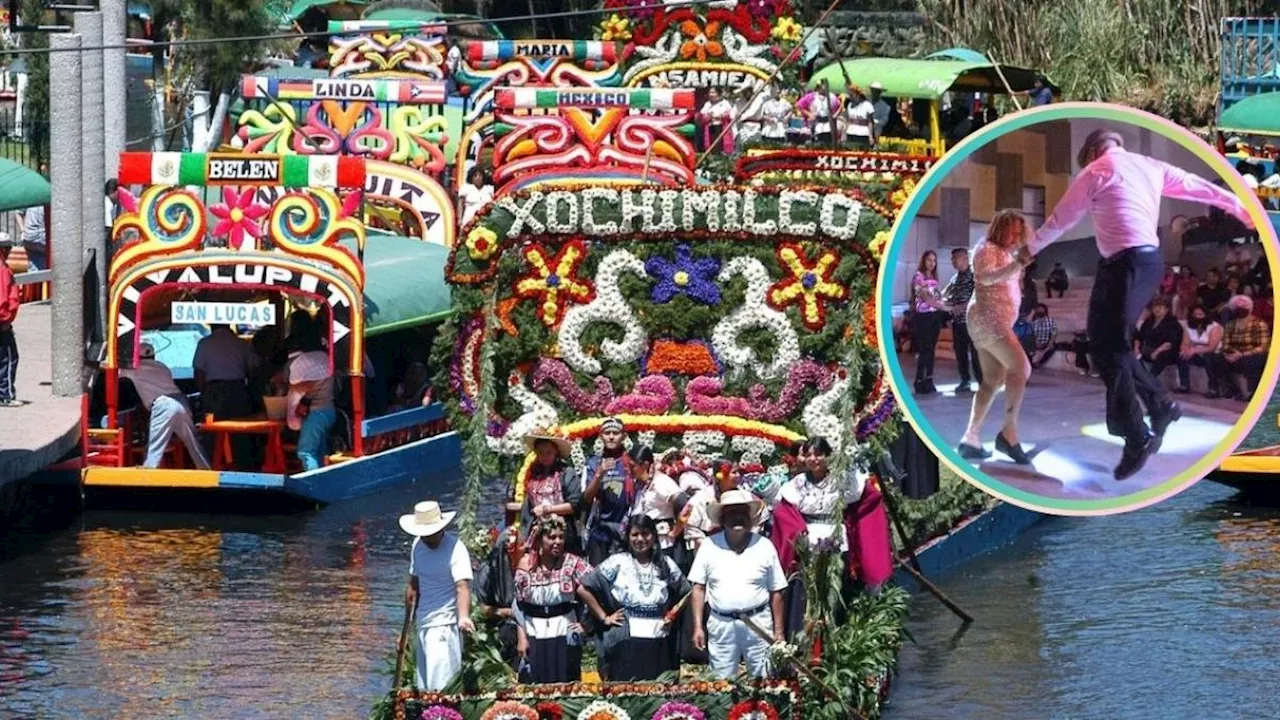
36	111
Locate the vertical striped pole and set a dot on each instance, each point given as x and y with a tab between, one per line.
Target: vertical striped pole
65	170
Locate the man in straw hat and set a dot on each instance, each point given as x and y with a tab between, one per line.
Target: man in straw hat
737	575
1121	192
440	590
167	406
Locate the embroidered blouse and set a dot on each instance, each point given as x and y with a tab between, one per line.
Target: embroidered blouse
820	502
542	591
639	589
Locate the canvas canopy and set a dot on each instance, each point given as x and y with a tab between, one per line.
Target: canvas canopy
1256	115
926	79
21	187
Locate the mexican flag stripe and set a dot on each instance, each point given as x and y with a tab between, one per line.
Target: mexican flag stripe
296	170
192	168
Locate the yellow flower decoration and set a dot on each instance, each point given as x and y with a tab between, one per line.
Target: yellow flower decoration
787	30
615	28
879	243
482	243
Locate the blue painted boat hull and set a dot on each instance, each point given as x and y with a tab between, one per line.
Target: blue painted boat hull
976	536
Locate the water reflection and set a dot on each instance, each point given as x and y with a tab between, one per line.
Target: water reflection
174	614
1175	607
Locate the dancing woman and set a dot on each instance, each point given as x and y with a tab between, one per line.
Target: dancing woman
998	261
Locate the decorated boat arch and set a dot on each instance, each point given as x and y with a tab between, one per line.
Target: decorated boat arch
486	66
386	101
184	259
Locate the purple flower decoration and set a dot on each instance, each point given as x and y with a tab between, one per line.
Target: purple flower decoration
679	711
760	8
441	712
643	9
687	275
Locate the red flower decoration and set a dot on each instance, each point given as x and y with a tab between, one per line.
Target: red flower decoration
238	217
810	286
753	710
553	281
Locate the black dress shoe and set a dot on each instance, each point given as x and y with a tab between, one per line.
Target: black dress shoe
963	389
1166	416
1013	451
969	452
1136	455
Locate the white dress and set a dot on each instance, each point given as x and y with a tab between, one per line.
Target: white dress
474	198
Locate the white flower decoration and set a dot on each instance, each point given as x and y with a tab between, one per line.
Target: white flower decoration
827	216
537	414
554	201
786	199
607	196
705	443
755	312
751	449
819	416
608	307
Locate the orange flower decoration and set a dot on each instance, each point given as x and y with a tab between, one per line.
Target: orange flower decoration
703	41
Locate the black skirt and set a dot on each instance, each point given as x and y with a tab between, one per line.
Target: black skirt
638	659
552	660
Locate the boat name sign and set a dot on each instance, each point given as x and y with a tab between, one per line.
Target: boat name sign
223	313
231	170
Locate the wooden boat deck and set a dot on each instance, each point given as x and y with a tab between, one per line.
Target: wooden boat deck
43	431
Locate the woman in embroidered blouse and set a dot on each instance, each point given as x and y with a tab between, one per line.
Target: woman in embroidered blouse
630	594
998	262
548	631
929	313
552	487
821	498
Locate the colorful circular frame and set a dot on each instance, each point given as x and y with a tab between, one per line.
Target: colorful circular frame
884	308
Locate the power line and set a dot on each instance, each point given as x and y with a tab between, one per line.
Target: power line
325	33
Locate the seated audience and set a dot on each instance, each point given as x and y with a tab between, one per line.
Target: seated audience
1201	340
1159	338
1245	343
1044	331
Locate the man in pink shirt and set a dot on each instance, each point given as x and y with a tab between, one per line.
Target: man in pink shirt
1121	192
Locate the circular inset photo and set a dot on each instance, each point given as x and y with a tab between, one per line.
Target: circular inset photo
1081	307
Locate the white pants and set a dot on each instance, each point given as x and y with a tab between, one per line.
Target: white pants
439	656
729	641
170	417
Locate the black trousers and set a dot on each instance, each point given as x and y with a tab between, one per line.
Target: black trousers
1123	286
8	364
926	326
1224	372
966	351
1204	360
1081	350
1050	286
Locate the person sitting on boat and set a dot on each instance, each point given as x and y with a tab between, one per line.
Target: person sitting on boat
167	406
609	493
846	514
552	487
631	594
656	495
495	592
311	390
738	577
415	390
548	631
438	594
223	364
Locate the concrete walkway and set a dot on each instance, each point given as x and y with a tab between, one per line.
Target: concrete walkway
1063	428
47	428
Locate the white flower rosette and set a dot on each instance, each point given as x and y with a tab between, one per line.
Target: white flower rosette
601	709
755	312
609	306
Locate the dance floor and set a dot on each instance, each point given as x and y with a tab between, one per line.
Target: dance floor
1063	429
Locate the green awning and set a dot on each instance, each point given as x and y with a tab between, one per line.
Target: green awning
1255	115
21	187
926	79
300	7
404	283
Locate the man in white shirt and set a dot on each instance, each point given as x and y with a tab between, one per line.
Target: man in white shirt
439	594
737	576
167	405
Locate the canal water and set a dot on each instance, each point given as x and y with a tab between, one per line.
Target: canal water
1168	612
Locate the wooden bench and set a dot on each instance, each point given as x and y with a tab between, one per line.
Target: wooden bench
223	430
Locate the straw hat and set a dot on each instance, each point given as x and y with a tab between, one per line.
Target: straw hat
731	498
562	446
426	520
875	85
